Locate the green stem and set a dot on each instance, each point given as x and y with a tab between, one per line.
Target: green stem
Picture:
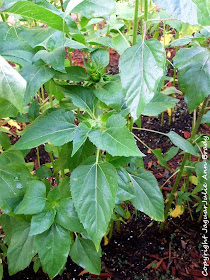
53	165
42	93
3	17
150	130
50	94
110	23
62	7
97	155
38	156
145	10
136	21
137	138
178	178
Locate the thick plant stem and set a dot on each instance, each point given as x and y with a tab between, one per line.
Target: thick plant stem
145	10
136	21
97	155
38	157
178	178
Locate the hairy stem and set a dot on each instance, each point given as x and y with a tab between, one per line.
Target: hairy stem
136	21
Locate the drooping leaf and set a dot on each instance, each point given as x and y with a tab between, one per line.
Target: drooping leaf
73	73
94	189
67	217
80	136
190	11
34	199
110	94
56	127
81	97
13	182
99	58
83	253
33	111
42	221
55	58
194	71
32	11
148	198
53	248
12	85
91	8
183	144
7	109
117	141
126	190
146	64
36	75
159	104
21	249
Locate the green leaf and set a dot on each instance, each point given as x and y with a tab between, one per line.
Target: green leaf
36	75
183	144
99	58
32	11
53	248
148	198
146	64
12	85
194	71
13	182
11	156
119	44
34	199
81	97
73	73
159	104
21	249
1	271
55	58
8	224
7	109
111	94
56	127
59	192
67	217
84	253
190	11
33	111
42	221
206	118
91	8
117	141
126	190
80	136
94	189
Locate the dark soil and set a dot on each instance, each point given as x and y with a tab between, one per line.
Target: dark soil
139	250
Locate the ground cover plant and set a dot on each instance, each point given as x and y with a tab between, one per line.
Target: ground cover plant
88	120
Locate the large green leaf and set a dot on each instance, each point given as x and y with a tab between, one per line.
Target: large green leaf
91	8
146	64
84	253
194	72
11	156
13	182
53	248
159	104
42	221
73	73
183	144
81	97
34	199
190	11
36	75
94	189
110	94
55	58
32	11
116	139
80	136
12	85
126	190
148	198
56	127
21	249
7	109
67	217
